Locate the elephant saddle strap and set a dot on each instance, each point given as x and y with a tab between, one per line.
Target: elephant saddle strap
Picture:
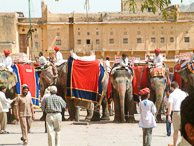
157	72
191	67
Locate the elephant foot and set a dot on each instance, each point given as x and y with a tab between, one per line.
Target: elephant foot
63	119
160	121
116	121
42	118
110	112
96	116
105	117
132	121
70	119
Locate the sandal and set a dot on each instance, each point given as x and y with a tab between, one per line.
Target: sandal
25	143
4	132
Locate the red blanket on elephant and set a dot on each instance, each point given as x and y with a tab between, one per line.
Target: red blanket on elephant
85	80
176	76
144	79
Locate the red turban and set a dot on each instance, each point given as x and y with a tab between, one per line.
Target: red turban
56	48
157	50
6	52
144	91
36	64
108	57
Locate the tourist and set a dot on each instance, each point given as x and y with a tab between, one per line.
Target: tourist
147	121
53	105
174	104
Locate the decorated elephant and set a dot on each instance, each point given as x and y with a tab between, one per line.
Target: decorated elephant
158	85
47	79
187	74
122	92
9	80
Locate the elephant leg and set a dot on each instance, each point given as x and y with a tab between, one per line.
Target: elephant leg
130	108
105	112
63	115
110	109
90	112
71	109
116	107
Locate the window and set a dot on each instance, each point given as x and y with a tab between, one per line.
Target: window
88	33
171	39
171	32
153	27
78	33
125	33
153	33
149	9
186	32
58	42
96	28
125	41
88	41
78	29
153	40
111	41
186	39
23	29
162	27
139	33
111	33
35	45
36	36
79	42
139	41
162	40
58	33
97	41
162	32
97	33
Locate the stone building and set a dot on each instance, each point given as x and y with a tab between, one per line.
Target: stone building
135	34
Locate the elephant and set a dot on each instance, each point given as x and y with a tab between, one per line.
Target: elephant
158	85
8	79
47	79
122	92
188	77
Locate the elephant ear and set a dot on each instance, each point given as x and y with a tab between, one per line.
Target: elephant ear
183	73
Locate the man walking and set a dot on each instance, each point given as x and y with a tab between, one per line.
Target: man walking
24	113
174	104
53	105
5	103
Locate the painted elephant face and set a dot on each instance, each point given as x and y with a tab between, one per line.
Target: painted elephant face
184	74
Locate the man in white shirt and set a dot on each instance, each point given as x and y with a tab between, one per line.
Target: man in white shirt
42	60
59	56
187	121
157	60
107	66
5	108
147	121
6	61
124	61
174	104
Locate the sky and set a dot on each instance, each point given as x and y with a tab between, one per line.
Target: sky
66	6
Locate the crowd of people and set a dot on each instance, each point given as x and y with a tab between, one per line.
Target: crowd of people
180	109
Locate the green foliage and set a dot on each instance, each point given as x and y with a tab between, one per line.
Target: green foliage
154	5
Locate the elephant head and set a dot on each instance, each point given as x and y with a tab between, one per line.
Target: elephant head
122	92
188	77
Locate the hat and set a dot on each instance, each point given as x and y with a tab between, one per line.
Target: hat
24	85
57	48
6	52
157	50
53	89
108	57
144	91
124	55
36	64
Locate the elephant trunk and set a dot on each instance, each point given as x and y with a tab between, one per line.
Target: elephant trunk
122	106
159	102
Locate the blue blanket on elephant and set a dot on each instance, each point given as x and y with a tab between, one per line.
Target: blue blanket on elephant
84	80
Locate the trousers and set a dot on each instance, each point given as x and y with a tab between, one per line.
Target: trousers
25	123
53	124
3	121
147	136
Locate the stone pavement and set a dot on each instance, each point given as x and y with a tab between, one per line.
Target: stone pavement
104	133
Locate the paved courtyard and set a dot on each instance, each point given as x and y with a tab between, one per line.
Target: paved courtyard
104	133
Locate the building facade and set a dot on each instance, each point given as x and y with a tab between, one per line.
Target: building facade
135	34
